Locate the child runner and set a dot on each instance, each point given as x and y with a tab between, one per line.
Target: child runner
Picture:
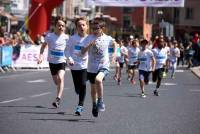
56	42
98	62
133	51
174	54
77	61
160	54
146	65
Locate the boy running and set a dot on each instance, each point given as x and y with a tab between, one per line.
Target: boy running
146	65
98	62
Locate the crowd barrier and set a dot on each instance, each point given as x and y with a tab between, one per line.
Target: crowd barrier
27	57
6	55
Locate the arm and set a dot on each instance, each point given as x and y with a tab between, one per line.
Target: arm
69	59
114	43
39	60
85	49
153	63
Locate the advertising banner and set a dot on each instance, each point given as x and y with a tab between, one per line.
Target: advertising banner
28	57
137	3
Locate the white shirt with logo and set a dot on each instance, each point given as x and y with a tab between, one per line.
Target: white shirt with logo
56	46
73	52
160	56
133	55
99	52
145	60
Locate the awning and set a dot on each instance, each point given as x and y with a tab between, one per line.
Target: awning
8	15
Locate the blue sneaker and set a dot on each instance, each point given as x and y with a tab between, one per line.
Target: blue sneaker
101	106
79	110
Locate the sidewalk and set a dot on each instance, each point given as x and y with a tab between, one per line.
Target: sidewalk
196	71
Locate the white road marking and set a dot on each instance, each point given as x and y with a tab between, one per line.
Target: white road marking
195	90
7	101
169	84
32	96
37	81
166	84
180	71
38	95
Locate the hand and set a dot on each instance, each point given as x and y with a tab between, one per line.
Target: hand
39	60
71	63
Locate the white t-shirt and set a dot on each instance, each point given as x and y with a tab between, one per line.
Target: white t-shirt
145	58
174	53
123	51
160	56
132	55
73	52
56	46
98	53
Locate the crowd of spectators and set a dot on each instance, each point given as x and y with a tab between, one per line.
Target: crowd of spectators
16	40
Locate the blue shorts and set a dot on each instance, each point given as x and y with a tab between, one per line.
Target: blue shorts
144	75
92	76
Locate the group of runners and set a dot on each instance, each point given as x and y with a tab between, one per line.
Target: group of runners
89	54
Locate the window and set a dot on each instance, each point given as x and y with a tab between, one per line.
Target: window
189	13
127	10
126	21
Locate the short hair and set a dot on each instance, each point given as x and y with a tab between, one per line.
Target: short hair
59	18
99	21
144	41
81	18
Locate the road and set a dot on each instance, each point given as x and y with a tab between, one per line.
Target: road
26	96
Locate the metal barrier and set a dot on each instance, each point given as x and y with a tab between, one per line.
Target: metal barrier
6	55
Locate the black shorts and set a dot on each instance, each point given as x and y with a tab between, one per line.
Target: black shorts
92	76
144	75
132	67
121	64
157	74
54	68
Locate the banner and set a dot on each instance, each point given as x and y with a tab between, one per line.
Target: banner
28	57
6	55
137	3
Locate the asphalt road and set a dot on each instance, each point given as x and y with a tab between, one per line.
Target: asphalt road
26	96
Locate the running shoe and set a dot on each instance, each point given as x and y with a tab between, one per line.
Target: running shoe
79	110
95	111
119	82
56	103
155	92
164	75
115	78
143	95
101	106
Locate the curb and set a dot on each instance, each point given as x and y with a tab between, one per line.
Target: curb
196	71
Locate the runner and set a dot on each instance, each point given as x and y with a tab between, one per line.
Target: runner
174	54
160	54
77	61
146	65
133	51
120	62
56	42
98	62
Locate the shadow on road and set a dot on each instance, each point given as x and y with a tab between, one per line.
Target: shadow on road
68	120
